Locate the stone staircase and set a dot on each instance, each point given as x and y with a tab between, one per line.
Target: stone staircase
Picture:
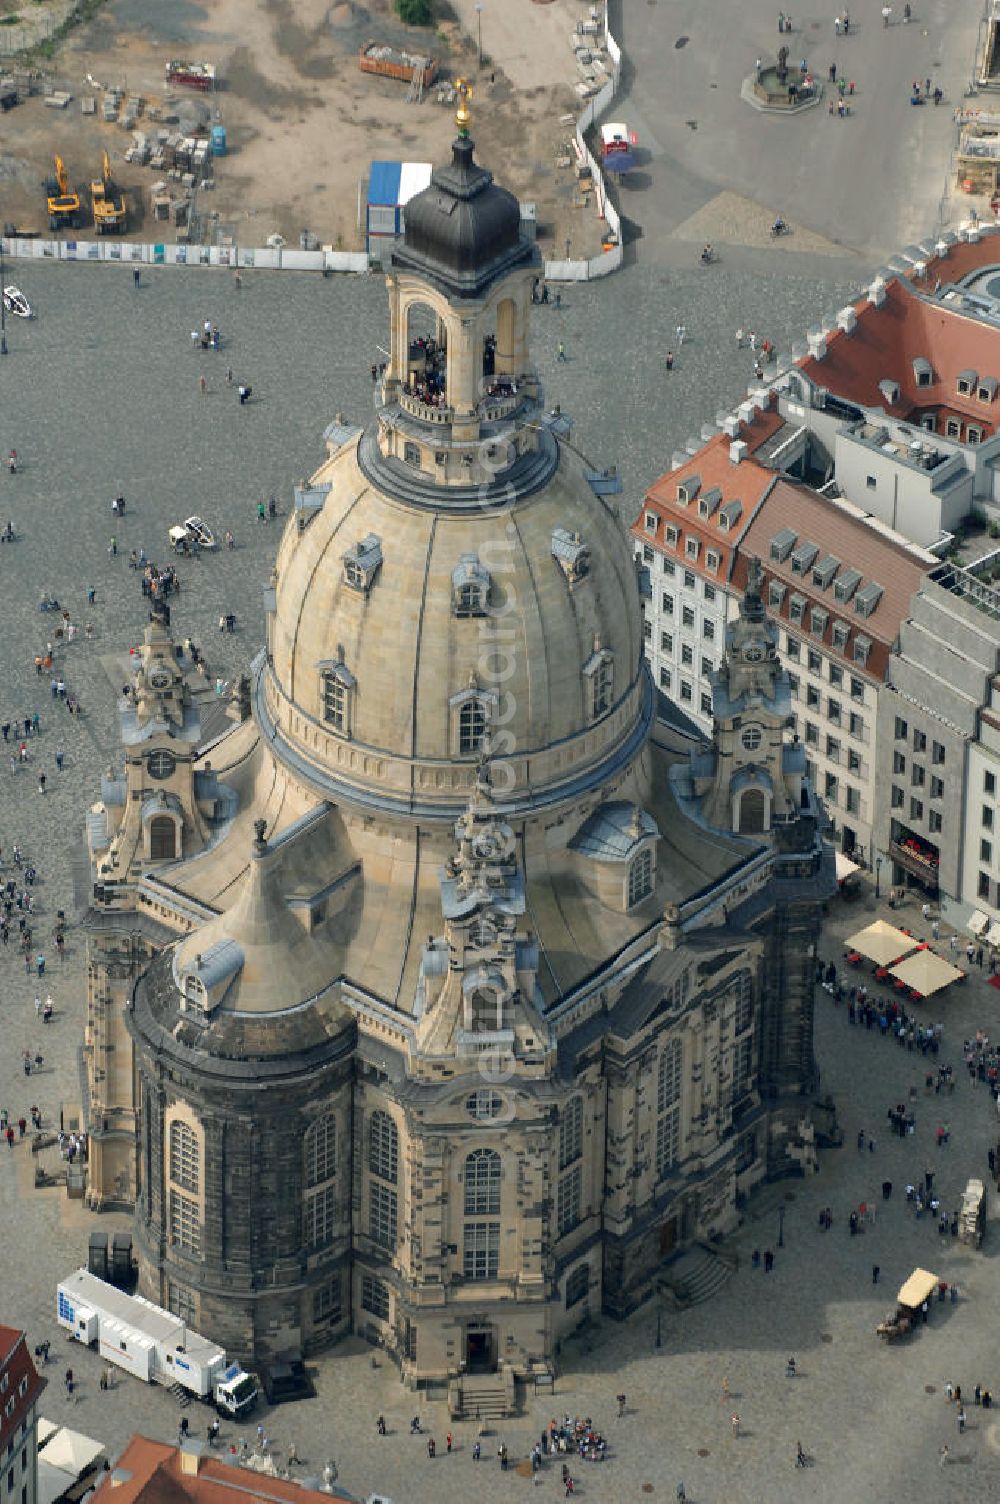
695	1276
484	1397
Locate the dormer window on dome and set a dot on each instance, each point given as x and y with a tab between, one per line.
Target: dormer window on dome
571	554
599	677
362	563
204	983
470	587
337	685
471	711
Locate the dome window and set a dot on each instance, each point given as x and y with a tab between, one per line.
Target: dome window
571	554
471	710
337	685
362	563
470	587
599	676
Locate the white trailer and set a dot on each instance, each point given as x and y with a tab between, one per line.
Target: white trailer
151	1343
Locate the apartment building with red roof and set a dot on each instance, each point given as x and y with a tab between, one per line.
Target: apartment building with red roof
21	1387
153	1472
687	535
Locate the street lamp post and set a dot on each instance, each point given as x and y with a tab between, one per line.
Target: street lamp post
781	1227
3	305
479	27
878	872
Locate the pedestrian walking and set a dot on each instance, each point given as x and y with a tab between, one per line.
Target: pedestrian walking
961	1420
668	360
477	1451
203	384
876	1271
800	1456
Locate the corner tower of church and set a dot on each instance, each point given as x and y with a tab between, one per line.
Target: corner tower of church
465	993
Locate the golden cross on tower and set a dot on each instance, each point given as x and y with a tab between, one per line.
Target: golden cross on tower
463	115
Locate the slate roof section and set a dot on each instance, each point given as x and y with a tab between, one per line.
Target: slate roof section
24	1383
152	1472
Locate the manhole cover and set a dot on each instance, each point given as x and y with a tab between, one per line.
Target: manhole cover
826	1336
790	1195
681	42
703	1451
930	1389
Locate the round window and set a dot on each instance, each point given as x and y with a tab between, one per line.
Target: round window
752	738
160	764
159	678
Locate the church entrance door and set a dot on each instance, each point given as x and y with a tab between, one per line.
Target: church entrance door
480	1349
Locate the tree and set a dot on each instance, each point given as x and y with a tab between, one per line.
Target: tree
415	12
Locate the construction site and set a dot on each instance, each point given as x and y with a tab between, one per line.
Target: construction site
254	122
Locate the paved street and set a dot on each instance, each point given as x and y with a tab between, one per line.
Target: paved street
102	391
869	183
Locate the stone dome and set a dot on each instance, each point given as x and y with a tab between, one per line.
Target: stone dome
409	656
462	229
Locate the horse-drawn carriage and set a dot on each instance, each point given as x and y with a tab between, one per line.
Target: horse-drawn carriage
917	1292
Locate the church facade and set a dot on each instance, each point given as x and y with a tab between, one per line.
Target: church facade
456	985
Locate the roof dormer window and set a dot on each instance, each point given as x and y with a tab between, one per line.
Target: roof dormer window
651	521
688	490
987	388
923	371
867	599
599	677
803	557
967	382
362	563
845	585
571	554
337	686
708	503
782	545
470	587
825	571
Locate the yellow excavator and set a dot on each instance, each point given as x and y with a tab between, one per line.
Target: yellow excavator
110	206
63	206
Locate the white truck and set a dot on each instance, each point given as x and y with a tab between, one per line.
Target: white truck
151	1343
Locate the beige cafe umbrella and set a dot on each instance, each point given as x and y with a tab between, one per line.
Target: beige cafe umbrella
925	972
881	943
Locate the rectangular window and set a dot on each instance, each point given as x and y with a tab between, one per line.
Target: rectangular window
796	609
665	680
666	642
858	690
853	761
568	1200
841	634
708	630
987	817
937	754
937	787
902	730
318	1218
833	711
382	1215
953	428
983	886
689	579
917	775
328	1301
706	704
792	648
667	565
897	796
812	734
375	1297
830	787
986	851
898	762
916	809
670	535
919	740
687	693
667	604
833	749
651	522
815	662
481	1250
852	801
185	1223
871	482
687	616
793	685
989	780
707	667
687	654
647	630
647	554
181	1302
934	822
812	697
836	676
691	548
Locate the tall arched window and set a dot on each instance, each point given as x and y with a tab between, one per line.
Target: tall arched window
482	1183
668	1107
383	1170
184	1206
319	1207
162	838
640	877
571	1133
471	727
